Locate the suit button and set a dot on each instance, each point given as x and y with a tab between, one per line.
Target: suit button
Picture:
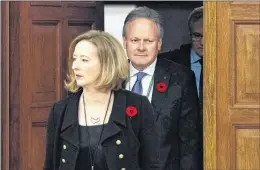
64	147
123	169
121	156
63	160
118	142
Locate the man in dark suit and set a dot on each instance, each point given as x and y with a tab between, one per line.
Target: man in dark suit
170	87
191	56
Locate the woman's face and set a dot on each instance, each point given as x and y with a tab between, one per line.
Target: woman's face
86	64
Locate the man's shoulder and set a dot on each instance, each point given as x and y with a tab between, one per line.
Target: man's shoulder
178	72
172	66
180	52
129	95
132	98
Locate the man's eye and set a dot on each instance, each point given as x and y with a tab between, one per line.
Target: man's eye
149	41
197	35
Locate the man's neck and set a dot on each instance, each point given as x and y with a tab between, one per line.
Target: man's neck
140	67
147	68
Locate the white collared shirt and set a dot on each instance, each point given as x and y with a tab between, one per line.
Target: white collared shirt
145	81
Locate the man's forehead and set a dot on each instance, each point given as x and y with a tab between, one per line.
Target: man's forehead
198	23
198	26
142	36
141	30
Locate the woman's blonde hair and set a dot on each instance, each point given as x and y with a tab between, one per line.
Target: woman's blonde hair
112	57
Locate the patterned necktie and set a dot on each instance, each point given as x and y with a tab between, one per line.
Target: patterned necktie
201	87
137	88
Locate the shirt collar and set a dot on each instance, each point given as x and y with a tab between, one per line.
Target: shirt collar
148	70
194	57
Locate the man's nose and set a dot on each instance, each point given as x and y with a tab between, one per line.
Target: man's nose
141	46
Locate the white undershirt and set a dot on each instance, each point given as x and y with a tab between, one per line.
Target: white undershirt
145	80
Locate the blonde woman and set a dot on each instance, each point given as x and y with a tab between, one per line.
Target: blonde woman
100	126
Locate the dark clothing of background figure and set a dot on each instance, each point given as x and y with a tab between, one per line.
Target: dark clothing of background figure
180	56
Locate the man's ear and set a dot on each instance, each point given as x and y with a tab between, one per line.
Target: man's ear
159	45
124	42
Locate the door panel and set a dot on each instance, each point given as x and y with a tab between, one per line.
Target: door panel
232	86
40	35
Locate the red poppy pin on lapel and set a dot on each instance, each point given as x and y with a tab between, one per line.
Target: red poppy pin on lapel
161	87
131	111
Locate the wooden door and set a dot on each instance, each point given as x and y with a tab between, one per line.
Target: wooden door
232	86
36	51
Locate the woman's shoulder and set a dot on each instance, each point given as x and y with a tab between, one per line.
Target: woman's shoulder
62	102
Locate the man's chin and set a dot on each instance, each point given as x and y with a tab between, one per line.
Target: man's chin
140	66
200	53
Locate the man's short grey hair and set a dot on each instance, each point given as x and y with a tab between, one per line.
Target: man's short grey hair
147	13
195	16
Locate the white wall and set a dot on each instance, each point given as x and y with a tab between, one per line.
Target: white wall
114	18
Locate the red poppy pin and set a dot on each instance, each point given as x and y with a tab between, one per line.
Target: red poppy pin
131	111
161	87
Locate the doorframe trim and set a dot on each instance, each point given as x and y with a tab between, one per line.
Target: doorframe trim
210	89
5	90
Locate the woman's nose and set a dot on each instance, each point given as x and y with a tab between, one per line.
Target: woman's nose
75	64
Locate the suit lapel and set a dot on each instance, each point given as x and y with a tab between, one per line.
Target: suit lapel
187	60
69	127
117	122
117	118
186	55
161	75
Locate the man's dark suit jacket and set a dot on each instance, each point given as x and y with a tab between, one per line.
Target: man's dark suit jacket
176	114
138	134
182	56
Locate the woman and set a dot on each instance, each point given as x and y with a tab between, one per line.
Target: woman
100	126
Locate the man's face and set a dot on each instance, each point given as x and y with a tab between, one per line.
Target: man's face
197	37
142	42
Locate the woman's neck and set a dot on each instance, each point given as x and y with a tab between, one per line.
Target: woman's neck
95	96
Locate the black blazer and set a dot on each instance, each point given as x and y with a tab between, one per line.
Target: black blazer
177	112
138	135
